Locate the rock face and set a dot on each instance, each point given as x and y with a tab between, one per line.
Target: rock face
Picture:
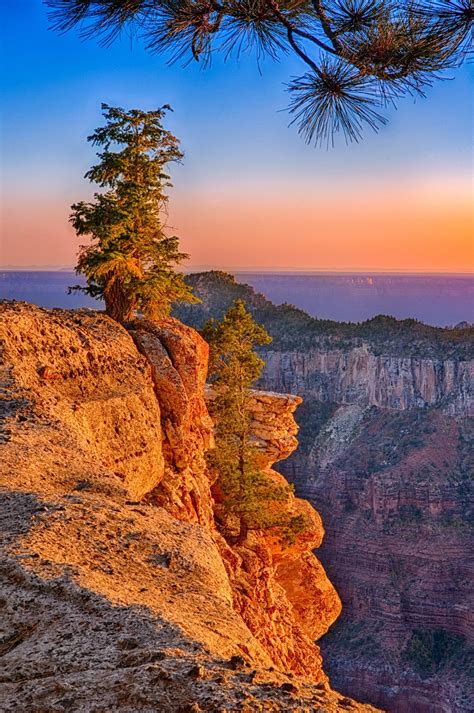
359	376
280	588
178	359
386	458
118	592
273	426
93	392
386	443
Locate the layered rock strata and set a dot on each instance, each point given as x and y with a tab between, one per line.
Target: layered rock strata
395	492
359	376
386	444
386	458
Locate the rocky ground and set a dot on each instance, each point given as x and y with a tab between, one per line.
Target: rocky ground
105	607
117	591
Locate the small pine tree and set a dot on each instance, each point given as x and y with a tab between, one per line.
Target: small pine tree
130	262
233	368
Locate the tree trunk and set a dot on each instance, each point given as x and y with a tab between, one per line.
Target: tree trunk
117	304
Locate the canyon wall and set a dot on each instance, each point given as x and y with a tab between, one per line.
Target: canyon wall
386	457
358	375
118	590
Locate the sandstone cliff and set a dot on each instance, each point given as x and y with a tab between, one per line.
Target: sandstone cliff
118	593
384	362
395	492
359	376
386	456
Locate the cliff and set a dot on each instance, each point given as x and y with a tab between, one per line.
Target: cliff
395	492
383	362
118	592
386	456
359	376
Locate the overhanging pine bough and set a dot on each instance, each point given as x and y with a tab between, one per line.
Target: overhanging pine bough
361	55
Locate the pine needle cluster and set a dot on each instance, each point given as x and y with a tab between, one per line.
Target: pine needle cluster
360	55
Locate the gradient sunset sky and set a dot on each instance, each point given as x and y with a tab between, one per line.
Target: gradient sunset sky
250	193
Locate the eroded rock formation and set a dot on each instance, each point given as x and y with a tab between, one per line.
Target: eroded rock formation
386	456
280	588
118	593
359	376
393	483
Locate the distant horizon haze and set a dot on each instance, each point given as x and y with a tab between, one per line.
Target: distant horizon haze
258	269
440	300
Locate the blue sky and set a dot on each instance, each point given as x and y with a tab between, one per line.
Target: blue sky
230	119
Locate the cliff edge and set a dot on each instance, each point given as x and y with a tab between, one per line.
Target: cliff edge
118	592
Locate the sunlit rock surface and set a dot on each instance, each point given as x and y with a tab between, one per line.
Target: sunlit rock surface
118	593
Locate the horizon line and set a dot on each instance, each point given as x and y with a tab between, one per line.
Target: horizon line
262	269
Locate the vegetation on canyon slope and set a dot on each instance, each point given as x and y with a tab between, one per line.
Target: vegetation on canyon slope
242	489
292	328
431	650
130	262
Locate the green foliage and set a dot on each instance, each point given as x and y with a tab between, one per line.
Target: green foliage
311	417
232	360
292	526
410	514
130	262
430	650
243	489
293	329
359	639
359	55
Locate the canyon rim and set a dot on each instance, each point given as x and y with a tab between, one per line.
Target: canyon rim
118	592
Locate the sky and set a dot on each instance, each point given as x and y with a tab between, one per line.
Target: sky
250	193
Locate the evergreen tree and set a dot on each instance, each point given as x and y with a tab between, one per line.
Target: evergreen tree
359	56
130	262
233	368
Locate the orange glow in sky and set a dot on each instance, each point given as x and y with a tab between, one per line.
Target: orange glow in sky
406	229
249	194
401	228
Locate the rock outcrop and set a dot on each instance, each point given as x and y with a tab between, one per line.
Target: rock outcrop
178	356
89	389
359	376
280	588
395	491
385	455
386	458
118	592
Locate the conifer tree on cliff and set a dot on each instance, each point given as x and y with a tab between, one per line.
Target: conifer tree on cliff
130	262
357	56
233	368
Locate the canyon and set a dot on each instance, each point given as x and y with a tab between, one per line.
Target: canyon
118	591
386	456
358	376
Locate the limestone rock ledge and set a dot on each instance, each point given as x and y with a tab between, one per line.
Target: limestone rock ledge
281	589
118	593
